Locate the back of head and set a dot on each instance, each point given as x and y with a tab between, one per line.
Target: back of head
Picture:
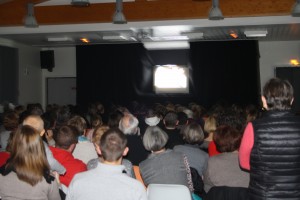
279	94
210	124
79	123
227	139
171	119
28	156
10	121
112	145
65	137
114	119
193	134
129	125
97	134
155	138
35	121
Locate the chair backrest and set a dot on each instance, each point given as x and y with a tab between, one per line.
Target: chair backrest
136	170
168	192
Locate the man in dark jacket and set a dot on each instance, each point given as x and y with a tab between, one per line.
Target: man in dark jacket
270	147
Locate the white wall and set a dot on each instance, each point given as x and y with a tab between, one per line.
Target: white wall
276	54
30	73
65	66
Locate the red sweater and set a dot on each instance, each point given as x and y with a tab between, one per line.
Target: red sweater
212	149
4	156
72	165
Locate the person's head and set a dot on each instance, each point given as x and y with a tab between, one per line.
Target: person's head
96	120
63	116
182	118
79	123
28	156
155	139
227	139
10	121
210	124
193	133
152	118
113	145
36	122
114	119
97	134
66	138
278	94
251	112
129	125
171	119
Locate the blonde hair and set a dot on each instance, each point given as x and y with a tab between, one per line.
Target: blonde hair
98	132
34	121
28	156
210	124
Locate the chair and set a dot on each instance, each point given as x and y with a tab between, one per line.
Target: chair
168	192
136	170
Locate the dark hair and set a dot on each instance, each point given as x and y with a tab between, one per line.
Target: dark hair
227	139
65	137
10	121
279	94
112	144
114	119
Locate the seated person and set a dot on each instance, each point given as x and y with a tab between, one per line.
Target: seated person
193	136
26	175
107	181
36	122
99	131
65	142
163	166
224	169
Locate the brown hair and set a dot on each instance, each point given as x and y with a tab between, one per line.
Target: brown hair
112	144
227	139
65	137
10	121
279	94
78	122
28	156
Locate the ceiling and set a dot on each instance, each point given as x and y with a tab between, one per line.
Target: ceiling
61	24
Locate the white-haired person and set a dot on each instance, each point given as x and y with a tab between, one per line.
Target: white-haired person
129	126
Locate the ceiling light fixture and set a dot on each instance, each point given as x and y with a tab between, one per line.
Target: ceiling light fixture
59	39
296	9
215	12
119	17
258	33
30	21
80	3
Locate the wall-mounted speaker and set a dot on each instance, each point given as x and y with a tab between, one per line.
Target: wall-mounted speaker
47	60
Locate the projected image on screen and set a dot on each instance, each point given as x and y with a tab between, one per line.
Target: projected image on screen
171	79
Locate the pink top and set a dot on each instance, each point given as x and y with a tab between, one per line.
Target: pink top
246	147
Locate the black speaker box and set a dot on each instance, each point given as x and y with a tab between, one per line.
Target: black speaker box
47	59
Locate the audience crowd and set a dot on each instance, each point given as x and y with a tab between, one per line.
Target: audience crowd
63	153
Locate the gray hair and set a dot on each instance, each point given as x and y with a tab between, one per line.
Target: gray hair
129	125
155	138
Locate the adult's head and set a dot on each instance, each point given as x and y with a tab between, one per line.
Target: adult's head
66	138
10	121
114	119
227	139
78	122
129	125
113	145
193	133
155	139
36	122
28	156
171	119
277	95
97	134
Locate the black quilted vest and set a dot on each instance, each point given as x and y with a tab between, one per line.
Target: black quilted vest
275	157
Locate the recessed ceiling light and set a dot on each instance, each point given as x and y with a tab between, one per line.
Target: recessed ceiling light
258	33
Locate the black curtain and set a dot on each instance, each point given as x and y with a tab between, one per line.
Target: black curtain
121	73
113	73
225	72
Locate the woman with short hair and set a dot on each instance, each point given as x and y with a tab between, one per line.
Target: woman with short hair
163	166
27	173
